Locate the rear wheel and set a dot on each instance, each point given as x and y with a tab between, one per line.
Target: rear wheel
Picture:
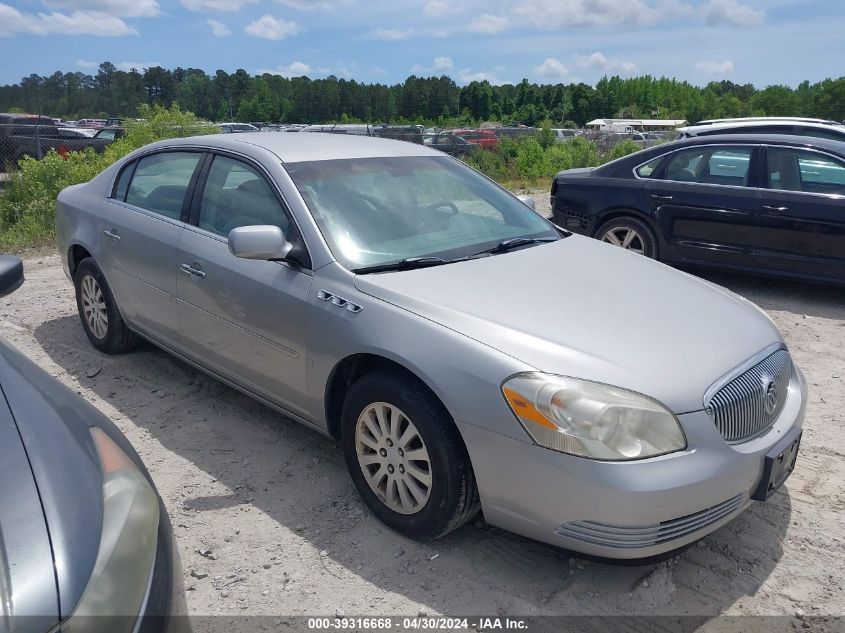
406	457
629	233
98	310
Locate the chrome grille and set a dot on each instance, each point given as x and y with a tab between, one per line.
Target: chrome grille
750	403
606	535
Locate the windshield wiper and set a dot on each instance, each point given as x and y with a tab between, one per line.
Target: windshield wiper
515	242
405	264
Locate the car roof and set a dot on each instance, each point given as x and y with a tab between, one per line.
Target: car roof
294	148
741	123
759	138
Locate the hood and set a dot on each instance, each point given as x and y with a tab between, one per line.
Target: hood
581	308
53	423
27	578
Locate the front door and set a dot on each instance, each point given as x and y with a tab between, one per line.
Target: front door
802	223
705	205
244	319
139	233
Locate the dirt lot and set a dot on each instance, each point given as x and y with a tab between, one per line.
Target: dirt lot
268	522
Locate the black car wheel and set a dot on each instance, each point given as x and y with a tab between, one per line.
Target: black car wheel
98	310
406	457
629	233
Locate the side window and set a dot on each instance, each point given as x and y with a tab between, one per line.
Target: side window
647	170
711	165
122	184
161	181
236	195
797	170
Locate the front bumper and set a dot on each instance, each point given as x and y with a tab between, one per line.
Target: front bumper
650	506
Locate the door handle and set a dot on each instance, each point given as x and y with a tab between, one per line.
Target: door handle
774	209
194	272
112	234
655	196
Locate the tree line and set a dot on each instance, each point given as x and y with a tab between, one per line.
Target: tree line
240	96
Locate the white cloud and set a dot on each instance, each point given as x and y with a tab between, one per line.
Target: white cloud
467	75
294	69
436	8
440	65
219	6
598	60
139	66
14	22
87	63
487	23
715	68
551	68
271	28
311	5
115	8
389	35
552	14
219	29
732	13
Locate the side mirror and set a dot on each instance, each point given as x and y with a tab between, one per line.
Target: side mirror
528	201
262	241
11	274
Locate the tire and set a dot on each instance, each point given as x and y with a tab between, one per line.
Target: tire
642	237
108	332
451	498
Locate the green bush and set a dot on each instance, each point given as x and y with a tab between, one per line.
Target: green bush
623	149
28	197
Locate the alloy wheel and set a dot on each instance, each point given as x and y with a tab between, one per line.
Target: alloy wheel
393	457
94	307
626	238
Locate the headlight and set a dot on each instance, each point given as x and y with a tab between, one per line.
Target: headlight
117	588
590	419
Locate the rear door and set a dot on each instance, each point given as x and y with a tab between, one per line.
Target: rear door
705	201
244	319
139	232
802	224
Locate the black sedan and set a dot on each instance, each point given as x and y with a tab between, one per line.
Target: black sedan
85	541
759	203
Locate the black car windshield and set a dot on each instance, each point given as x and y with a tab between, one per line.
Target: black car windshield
374	211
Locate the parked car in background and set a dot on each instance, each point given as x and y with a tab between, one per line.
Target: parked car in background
483	138
110	133
76	132
389	296
818	128
449	143
760	203
564	134
30	135
94	123
85	539
236	128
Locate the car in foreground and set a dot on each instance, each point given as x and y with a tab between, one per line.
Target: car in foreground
389	296
766	204
85	540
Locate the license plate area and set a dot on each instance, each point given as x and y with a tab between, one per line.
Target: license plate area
778	465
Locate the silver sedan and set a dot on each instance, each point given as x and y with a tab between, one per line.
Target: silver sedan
467	354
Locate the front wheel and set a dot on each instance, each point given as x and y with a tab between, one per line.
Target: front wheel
98	310
629	233
406	457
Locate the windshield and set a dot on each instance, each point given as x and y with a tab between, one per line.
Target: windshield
375	211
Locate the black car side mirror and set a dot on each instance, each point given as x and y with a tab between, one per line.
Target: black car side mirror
11	274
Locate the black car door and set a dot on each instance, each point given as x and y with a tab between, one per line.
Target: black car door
802	223
705	201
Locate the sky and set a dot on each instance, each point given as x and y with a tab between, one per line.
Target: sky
548	41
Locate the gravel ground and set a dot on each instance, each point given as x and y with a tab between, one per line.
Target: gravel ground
268	522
